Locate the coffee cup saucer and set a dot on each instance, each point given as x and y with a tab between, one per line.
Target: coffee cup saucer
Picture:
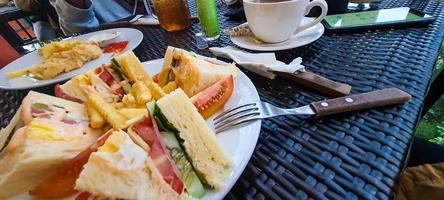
304	37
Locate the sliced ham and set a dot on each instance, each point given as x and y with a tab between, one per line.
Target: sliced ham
147	130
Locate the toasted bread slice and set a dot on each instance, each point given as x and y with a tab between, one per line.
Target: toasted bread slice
193	73
132	67
121	169
42	145
205	152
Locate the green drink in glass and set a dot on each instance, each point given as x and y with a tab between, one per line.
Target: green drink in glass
208	19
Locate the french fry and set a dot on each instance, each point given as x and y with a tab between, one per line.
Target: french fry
156	90
171	86
95	119
118	105
130	113
129	101
141	93
106	109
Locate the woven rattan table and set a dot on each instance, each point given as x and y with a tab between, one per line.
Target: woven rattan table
351	156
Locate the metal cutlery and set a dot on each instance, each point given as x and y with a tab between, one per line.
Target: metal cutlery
261	110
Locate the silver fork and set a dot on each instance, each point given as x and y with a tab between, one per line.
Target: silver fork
252	111
261	110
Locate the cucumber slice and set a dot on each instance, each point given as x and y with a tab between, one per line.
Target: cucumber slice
117	69
163	121
41	106
193	185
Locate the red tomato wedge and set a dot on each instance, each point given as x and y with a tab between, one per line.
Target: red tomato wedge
62	183
58	91
213	98
147	130
116	47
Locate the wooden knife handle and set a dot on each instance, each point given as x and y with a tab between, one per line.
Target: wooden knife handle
318	83
384	97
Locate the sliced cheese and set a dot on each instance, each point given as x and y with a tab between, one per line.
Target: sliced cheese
113	143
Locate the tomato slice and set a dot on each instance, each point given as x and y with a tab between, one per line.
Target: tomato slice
58	91
116	47
213	98
147	130
62	183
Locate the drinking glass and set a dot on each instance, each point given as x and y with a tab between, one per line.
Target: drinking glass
209	24
173	15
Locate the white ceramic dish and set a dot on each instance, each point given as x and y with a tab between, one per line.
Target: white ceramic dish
238	143
134	37
303	38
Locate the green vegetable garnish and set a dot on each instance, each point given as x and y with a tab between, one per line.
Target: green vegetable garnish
170	135
162	121
59	106
193	185
40	106
117	69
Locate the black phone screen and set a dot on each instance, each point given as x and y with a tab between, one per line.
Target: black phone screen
374	17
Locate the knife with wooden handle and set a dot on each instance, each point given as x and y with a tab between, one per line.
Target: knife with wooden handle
318	83
378	98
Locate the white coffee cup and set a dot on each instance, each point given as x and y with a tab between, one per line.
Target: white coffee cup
278	21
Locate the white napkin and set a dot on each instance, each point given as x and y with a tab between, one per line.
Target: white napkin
261	63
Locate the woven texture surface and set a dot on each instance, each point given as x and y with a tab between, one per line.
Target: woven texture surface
351	156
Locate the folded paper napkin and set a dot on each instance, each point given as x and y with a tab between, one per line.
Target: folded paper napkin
260	63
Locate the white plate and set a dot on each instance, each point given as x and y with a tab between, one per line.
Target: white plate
305	37
134	37
238	143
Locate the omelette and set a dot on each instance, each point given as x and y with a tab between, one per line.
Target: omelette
60	57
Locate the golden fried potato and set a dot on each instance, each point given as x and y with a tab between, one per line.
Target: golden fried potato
171	86
95	119
129	101
141	93
156	90
107	110
130	113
